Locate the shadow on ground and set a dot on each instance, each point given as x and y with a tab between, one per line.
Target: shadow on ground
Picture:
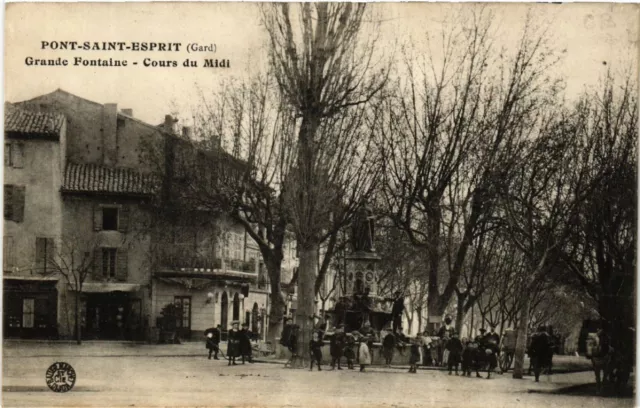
587	390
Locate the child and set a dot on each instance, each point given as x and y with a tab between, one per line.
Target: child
454	345
467	357
315	349
414	356
364	355
349	352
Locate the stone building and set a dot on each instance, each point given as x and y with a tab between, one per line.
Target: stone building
34	162
101	199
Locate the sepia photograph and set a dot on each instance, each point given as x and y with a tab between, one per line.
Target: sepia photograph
320	204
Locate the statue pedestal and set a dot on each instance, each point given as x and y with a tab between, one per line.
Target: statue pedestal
362	274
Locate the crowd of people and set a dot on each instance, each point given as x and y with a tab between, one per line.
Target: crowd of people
446	348
238	345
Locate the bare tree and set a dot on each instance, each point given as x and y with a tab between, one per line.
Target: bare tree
322	65
448	130
600	254
74	259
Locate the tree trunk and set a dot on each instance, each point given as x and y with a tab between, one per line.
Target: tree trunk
306	298
78	327
276	314
419	313
409	320
460	312
521	342
473	314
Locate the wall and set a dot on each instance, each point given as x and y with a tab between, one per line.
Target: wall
90	129
78	227
42	176
203	315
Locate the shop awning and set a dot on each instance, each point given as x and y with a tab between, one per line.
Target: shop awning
31	278
105	287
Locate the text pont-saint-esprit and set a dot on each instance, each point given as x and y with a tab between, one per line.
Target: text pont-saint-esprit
110	46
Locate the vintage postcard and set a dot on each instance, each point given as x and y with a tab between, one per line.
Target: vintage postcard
320	204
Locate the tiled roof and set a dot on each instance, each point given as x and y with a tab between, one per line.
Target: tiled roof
98	179
24	123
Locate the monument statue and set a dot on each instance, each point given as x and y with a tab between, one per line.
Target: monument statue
363	230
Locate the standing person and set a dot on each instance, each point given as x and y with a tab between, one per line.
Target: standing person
315	349
336	346
388	346
349	350
454	345
492	337
414	355
467	357
245	343
233	345
396	310
364	354
213	335
539	350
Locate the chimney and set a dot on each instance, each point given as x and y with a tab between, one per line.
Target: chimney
186	132
169	123
109	137
128	112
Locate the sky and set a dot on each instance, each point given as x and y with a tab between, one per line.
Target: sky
591	34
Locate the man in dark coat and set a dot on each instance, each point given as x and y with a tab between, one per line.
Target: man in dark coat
396	310
388	346
539	351
336	346
245	343
454	345
213	335
233	344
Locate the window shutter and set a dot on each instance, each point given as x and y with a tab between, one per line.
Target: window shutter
17	155
18	203
123	218
7	254
97	217
51	252
7	154
97	263
122	264
8	202
40	253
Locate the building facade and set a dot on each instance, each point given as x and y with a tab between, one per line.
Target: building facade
79	192
34	162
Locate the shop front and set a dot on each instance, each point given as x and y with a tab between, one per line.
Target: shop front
30	308
112	311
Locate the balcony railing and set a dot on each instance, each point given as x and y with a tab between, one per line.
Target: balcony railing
178	256
240	265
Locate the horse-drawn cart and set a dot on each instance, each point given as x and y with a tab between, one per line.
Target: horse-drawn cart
507	350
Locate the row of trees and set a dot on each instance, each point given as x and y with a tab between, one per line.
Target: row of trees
496	185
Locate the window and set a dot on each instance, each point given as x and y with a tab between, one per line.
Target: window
109	262
14	197
44	254
183	303
14	155
109	219
28	313
8	254
238	249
